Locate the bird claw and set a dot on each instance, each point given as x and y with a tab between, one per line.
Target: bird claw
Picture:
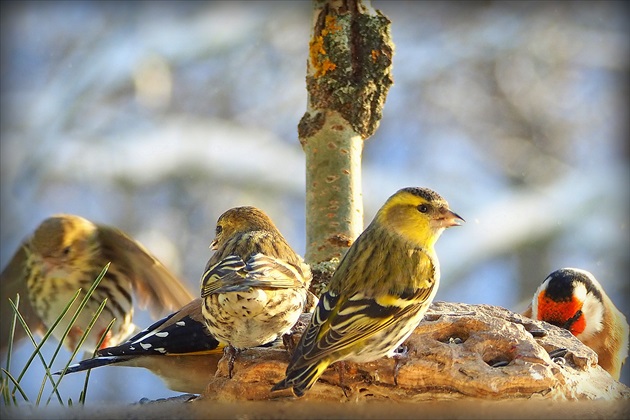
345	391
401	352
340	367
230	352
289	343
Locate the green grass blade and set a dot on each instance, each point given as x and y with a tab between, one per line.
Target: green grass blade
12	333
4	383
84	302
83	394
84	337
32	338
36	352
16	383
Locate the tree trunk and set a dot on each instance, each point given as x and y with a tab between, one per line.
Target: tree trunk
348	77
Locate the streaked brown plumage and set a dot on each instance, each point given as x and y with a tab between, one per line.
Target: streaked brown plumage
67	252
254	286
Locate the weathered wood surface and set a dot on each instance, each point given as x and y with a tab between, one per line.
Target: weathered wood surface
451	356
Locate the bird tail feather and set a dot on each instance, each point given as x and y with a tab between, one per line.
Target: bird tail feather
92	363
301	380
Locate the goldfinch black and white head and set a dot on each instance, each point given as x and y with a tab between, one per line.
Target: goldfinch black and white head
573	299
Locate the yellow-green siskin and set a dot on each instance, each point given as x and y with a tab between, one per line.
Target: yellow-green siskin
254	286
67	252
380	291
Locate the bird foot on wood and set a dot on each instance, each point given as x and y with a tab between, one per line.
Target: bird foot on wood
289	343
230	352
340	367
401	354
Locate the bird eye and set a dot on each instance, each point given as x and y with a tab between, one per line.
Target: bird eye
423	208
66	251
219	229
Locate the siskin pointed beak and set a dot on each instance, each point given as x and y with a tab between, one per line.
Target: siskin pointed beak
450	219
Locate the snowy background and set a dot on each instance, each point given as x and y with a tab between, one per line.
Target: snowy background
155	117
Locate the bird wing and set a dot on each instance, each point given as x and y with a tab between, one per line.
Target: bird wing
180	333
232	274
12	283
340	322
345	316
154	285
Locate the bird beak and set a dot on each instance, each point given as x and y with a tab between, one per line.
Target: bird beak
450	219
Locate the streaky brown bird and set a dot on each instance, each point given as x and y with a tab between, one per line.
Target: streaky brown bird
68	252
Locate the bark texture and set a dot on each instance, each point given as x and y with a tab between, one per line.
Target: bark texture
348	77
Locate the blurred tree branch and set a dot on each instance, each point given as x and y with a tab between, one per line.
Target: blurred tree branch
348	77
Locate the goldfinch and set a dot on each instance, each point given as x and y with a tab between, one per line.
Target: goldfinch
573	299
380	291
67	252
254	286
